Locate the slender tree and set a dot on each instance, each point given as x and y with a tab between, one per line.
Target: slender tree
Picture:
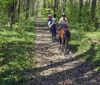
27	8
12	12
80	12
44	3
55	1
93	10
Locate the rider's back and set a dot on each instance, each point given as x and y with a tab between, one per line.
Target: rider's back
54	20
63	21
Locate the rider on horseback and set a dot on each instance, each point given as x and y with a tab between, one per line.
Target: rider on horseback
49	20
63	32
54	20
63	22
53	26
49	17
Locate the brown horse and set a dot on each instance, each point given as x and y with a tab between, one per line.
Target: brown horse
64	37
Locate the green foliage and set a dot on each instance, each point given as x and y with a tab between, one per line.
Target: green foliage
72	12
15	48
44	12
96	60
84	44
77	35
86	13
91	52
98	10
5	3
86	49
88	27
15	44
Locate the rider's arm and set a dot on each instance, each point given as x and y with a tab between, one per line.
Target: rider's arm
60	20
66	21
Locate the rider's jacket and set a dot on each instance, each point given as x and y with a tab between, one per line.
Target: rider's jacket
63	21
53	20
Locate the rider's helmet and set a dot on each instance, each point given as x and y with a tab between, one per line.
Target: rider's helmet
63	15
54	15
49	16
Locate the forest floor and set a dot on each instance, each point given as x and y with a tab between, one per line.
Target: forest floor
54	68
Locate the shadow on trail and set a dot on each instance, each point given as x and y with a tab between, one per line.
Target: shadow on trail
56	64
74	76
73	47
83	74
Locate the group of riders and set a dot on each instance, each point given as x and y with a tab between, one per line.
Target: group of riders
61	29
52	24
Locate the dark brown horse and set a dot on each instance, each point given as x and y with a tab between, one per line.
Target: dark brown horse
64	37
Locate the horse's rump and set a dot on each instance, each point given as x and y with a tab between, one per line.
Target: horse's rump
64	33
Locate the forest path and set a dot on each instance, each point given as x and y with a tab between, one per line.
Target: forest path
53	68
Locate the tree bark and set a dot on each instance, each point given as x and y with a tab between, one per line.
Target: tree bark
18	9
44	4
93	10
12	13
80	13
27	9
55	6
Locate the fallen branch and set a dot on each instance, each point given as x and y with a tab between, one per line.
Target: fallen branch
94	40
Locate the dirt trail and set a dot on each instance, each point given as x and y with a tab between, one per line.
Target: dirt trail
53	68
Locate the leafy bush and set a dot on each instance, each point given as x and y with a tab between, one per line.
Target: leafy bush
15	48
92	52
44	12
96	60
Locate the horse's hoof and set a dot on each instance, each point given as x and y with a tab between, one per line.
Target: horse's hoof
62	50
65	53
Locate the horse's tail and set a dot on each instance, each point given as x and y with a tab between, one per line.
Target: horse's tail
65	34
68	35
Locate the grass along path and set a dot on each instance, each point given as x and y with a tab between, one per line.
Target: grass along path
15	50
53	68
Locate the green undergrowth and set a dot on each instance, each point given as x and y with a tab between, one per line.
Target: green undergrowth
83	47
16	46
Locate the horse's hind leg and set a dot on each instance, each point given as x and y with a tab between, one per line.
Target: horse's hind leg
65	41
66	47
63	45
60	42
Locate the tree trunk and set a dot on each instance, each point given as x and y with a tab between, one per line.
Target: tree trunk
55	6
93	10
18	9
27	9
12	13
33	7
44	4
80	13
64	5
